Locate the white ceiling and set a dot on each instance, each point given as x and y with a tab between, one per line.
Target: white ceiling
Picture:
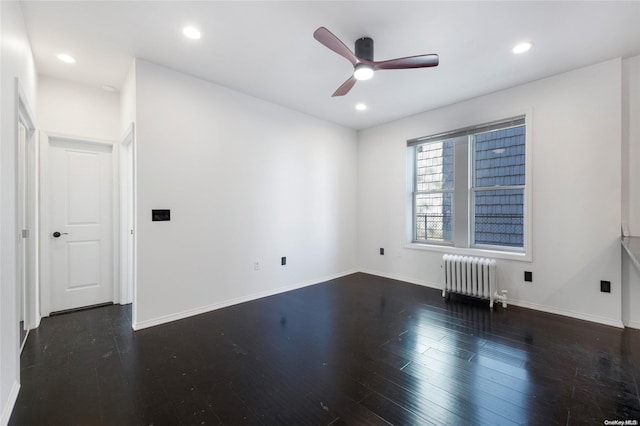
266	49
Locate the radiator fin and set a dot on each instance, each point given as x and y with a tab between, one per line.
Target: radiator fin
471	276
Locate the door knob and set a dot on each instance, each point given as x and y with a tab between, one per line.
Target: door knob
57	234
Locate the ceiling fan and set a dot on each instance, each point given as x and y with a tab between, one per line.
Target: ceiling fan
362	59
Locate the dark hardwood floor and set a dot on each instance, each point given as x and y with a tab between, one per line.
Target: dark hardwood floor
357	350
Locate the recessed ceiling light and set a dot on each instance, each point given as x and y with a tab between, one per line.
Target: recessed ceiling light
66	58
191	32
108	88
361	107
522	47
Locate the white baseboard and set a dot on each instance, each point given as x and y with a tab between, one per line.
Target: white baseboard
567	313
633	324
397	277
212	307
523	304
11	402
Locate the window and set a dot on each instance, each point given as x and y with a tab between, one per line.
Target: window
469	187
498	187
434	191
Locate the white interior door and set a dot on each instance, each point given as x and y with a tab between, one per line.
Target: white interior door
80	224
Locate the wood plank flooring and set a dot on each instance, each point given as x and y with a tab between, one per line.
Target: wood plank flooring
359	350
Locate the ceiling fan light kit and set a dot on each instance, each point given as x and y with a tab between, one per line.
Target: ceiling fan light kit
362	60
363	72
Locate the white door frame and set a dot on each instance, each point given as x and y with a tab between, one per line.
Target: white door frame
45	225
27	221
127	216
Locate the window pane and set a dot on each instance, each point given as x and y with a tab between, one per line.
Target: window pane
499	217
499	157
434	166
433	217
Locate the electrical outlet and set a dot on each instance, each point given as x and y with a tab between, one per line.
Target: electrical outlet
605	286
283	260
381	251
257	265
528	276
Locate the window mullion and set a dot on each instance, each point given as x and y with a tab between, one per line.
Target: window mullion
461	203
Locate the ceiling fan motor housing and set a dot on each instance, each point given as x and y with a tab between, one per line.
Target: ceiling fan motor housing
364	48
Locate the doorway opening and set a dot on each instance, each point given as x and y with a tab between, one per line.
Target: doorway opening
128	218
27	305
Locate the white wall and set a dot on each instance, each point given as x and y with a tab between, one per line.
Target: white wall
576	192
245	180
16	61
78	110
128	100
631	184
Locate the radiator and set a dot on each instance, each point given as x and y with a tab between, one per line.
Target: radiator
472	276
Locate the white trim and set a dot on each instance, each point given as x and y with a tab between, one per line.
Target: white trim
528	189
632	256
45	309
633	324
28	154
127	205
24	342
212	307
572	314
520	303
59	137
22	107
115	222
11	402
410	280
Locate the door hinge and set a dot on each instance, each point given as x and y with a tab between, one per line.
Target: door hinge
25	233
132	232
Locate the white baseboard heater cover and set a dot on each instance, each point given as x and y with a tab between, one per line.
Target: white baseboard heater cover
472	276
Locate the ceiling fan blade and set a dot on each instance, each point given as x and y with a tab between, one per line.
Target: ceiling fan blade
327	38
346	86
420	61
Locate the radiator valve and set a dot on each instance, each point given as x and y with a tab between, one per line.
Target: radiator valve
501	297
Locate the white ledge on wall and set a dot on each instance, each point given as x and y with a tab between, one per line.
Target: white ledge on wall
472	251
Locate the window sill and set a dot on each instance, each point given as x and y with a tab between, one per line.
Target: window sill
496	254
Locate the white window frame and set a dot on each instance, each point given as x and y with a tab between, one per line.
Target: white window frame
463	238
